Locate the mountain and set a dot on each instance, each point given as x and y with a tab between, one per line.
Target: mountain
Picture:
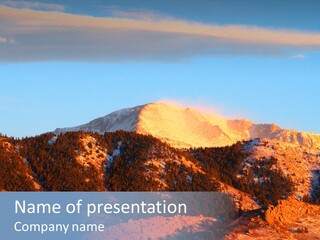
187	127
127	161
264	169
15	175
273	176
258	174
290	219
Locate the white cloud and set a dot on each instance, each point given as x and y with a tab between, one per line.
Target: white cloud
300	56
3	40
61	36
138	15
6	40
35	5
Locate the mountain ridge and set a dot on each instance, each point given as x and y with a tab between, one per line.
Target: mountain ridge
184	127
256	174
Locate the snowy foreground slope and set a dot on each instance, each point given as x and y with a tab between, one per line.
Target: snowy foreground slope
187	127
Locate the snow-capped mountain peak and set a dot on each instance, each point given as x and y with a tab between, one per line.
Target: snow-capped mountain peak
184	127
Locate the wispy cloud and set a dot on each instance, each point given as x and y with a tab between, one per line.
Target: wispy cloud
6	40
138	36
299	56
138	15
3	40
34	5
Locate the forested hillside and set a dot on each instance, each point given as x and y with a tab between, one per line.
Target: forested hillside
127	161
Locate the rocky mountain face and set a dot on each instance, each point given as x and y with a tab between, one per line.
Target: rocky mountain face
187	127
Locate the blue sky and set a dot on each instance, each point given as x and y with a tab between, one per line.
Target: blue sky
79	60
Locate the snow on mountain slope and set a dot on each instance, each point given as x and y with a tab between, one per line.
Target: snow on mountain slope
92	154
183	127
300	163
290	219
124	119
187	127
156	228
